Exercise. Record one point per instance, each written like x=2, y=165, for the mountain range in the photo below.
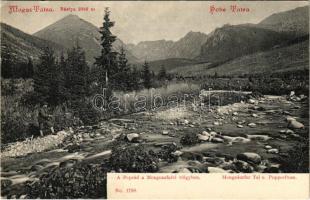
x=187, y=47
x=72, y=29
x=224, y=44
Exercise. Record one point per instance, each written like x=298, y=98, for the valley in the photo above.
x=77, y=102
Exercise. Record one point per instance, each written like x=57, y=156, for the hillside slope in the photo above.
x=294, y=22
x=229, y=42
x=287, y=58
x=22, y=46
x=169, y=64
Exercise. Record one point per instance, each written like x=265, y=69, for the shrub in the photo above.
x=189, y=139
x=133, y=159
x=166, y=153
x=77, y=182
x=297, y=159
x=88, y=114
x=13, y=128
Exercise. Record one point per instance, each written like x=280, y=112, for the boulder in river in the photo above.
x=295, y=124
x=216, y=170
x=249, y=157
x=243, y=166
x=165, y=132
x=213, y=133
x=289, y=119
x=177, y=153
x=252, y=101
x=131, y=137
x=252, y=125
x=216, y=123
x=203, y=137
x=273, y=151
x=217, y=140
x=289, y=131
x=205, y=133
x=268, y=147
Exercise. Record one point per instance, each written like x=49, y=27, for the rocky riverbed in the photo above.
x=245, y=137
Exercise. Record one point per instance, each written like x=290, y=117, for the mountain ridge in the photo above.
x=186, y=47
x=72, y=29
x=294, y=22
x=22, y=45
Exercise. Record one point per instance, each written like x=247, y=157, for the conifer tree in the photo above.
x=6, y=65
x=162, y=73
x=121, y=79
x=146, y=76
x=29, y=69
x=43, y=77
x=77, y=76
x=134, y=78
x=107, y=59
x=58, y=89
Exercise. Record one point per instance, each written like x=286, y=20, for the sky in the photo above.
x=147, y=21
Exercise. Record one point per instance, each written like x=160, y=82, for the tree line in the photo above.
x=69, y=79
x=17, y=69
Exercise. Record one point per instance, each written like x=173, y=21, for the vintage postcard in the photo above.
x=154, y=100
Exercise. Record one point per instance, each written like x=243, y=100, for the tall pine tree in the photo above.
x=134, y=78
x=6, y=64
x=121, y=78
x=43, y=77
x=77, y=72
x=162, y=75
x=146, y=76
x=107, y=60
x=29, y=69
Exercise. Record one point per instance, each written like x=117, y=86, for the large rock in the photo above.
x=132, y=137
x=252, y=101
x=203, y=137
x=249, y=157
x=217, y=140
x=177, y=153
x=289, y=119
x=239, y=139
x=213, y=133
x=243, y=166
x=252, y=125
x=273, y=151
x=205, y=133
x=295, y=124
x=268, y=147
x=216, y=123
x=216, y=170
x=165, y=132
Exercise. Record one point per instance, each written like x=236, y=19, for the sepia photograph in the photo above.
x=91, y=88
